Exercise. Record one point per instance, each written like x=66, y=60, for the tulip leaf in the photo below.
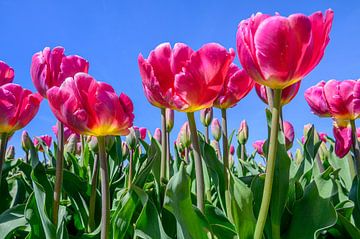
x=11, y=220
x=177, y=200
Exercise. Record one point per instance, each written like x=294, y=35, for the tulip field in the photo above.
x=104, y=177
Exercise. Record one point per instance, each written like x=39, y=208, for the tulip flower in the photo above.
x=289, y=134
x=67, y=132
x=315, y=97
x=277, y=51
x=51, y=67
x=258, y=146
x=140, y=132
x=157, y=135
x=46, y=139
x=216, y=129
x=93, y=108
x=243, y=133
x=184, y=136
x=6, y=73
x=169, y=120
x=10, y=152
x=343, y=139
x=358, y=133
x=287, y=93
x=25, y=141
x=90, y=107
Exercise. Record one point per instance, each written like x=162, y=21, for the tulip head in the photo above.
x=169, y=119
x=18, y=107
x=287, y=94
x=289, y=134
x=279, y=51
x=132, y=139
x=45, y=139
x=51, y=67
x=25, y=141
x=157, y=135
x=6, y=73
x=10, y=152
x=236, y=86
x=124, y=150
x=140, y=132
x=315, y=97
x=216, y=129
x=343, y=138
x=90, y=107
x=232, y=150
x=243, y=133
x=184, y=136
x=258, y=146
x=206, y=116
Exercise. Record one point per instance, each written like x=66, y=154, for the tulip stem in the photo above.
x=356, y=148
x=131, y=155
x=59, y=171
x=200, y=186
x=270, y=97
x=270, y=167
x=3, y=144
x=163, y=144
x=207, y=134
x=105, y=193
x=168, y=156
x=226, y=162
x=243, y=152
x=218, y=150
x=95, y=175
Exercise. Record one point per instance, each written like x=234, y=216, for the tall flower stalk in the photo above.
x=226, y=161
x=163, y=144
x=3, y=145
x=58, y=172
x=270, y=167
x=355, y=146
x=94, y=181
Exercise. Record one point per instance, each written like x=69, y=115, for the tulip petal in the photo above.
x=343, y=140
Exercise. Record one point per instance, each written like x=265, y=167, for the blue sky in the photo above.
x=111, y=34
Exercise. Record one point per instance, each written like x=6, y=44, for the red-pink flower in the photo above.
x=287, y=94
x=173, y=78
x=289, y=134
x=232, y=150
x=343, y=139
x=315, y=97
x=236, y=86
x=258, y=146
x=141, y=130
x=277, y=51
x=6, y=73
x=51, y=67
x=18, y=106
x=157, y=135
x=45, y=139
x=90, y=107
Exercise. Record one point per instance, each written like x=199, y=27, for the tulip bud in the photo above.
x=298, y=157
x=169, y=119
x=184, y=136
x=132, y=138
x=206, y=116
x=71, y=145
x=258, y=146
x=216, y=129
x=289, y=134
x=307, y=127
x=124, y=150
x=232, y=150
x=93, y=143
x=243, y=133
x=157, y=135
x=10, y=152
x=25, y=141
x=142, y=132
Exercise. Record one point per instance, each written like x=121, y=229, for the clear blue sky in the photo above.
x=111, y=34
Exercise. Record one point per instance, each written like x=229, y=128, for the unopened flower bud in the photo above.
x=289, y=134
x=25, y=141
x=216, y=129
x=124, y=150
x=10, y=152
x=157, y=135
x=93, y=144
x=169, y=119
x=243, y=133
x=206, y=116
x=184, y=136
x=71, y=144
x=298, y=157
x=132, y=138
x=46, y=139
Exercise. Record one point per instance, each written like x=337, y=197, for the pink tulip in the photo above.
x=289, y=134
x=287, y=93
x=51, y=67
x=157, y=135
x=236, y=86
x=315, y=97
x=343, y=140
x=277, y=51
x=343, y=98
x=232, y=150
x=45, y=138
x=323, y=136
x=6, y=73
x=184, y=137
x=90, y=107
x=216, y=129
x=258, y=146
x=67, y=132
x=18, y=106
x=173, y=78
x=141, y=131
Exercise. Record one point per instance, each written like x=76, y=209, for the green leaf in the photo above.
x=178, y=202
x=11, y=220
x=311, y=214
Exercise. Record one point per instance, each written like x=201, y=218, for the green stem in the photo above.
x=218, y=150
x=356, y=148
x=59, y=171
x=243, y=152
x=3, y=144
x=94, y=179
x=105, y=193
x=168, y=156
x=131, y=155
x=270, y=167
x=163, y=144
x=200, y=186
x=207, y=134
x=226, y=162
